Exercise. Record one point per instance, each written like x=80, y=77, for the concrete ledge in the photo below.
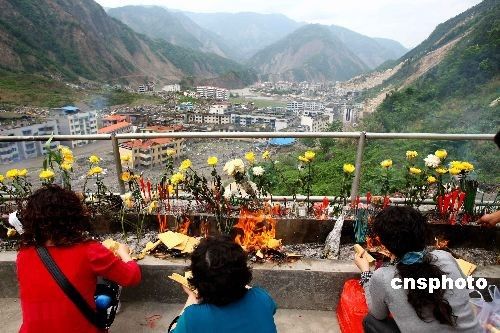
x=308, y=284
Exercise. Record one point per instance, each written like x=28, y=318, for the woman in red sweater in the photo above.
x=55, y=218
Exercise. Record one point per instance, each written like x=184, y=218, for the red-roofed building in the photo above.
x=121, y=127
x=151, y=152
x=113, y=119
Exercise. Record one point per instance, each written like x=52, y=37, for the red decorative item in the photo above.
x=352, y=307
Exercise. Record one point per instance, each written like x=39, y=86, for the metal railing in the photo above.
x=361, y=136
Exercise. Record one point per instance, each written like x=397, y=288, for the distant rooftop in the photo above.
x=114, y=127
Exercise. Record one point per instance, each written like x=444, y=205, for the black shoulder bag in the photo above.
x=101, y=319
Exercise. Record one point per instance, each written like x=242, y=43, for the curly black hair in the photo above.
x=54, y=214
x=220, y=271
x=402, y=230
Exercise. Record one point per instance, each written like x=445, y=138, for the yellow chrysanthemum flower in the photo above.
x=186, y=164
x=125, y=158
x=431, y=179
x=455, y=164
x=170, y=189
x=250, y=156
x=466, y=166
x=94, y=159
x=411, y=154
x=170, y=152
x=441, y=170
x=386, y=163
x=126, y=176
x=2, y=178
x=415, y=171
x=46, y=174
x=303, y=159
x=64, y=150
x=22, y=172
x=266, y=155
x=12, y=173
x=454, y=171
x=66, y=166
x=68, y=157
x=310, y=155
x=349, y=168
x=95, y=171
x=441, y=153
x=176, y=178
x=212, y=160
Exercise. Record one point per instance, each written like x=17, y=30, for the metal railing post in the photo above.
x=118, y=163
x=359, y=161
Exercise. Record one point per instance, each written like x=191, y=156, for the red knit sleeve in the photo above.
x=104, y=263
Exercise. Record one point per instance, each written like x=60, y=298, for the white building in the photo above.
x=71, y=121
x=172, y=88
x=17, y=151
x=276, y=123
x=212, y=93
x=218, y=109
x=315, y=124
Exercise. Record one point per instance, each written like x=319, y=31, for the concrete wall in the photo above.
x=307, y=284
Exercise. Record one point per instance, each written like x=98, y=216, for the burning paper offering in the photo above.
x=466, y=267
x=178, y=241
x=111, y=245
x=182, y=279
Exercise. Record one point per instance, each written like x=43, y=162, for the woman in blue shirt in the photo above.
x=223, y=302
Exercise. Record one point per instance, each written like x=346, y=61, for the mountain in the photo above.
x=174, y=27
x=246, y=33
x=448, y=84
x=372, y=51
x=310, y=53
x=78, y=40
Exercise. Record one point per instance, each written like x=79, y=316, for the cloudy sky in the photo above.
x=407, y=21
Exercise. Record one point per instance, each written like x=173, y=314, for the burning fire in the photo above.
x=258, y=231
x=184, y=227
x=373, y=244
x=441, y=243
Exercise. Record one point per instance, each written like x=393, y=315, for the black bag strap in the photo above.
x=67, y=287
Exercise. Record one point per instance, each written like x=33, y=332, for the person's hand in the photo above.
x=490, y=220
x=361, y=262
x=123, y=252
x=192, y=296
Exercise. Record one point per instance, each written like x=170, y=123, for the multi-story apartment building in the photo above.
x=212, y=93
x=172, y=88
x=317, y=123
x=219, y=108
x=149, y=153
x=71, y=121
x=207, y=118
x=16, y=151
x=276, y=123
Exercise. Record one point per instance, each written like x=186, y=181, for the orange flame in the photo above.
x=184, y=227
x=441, y=243
x=258, y=231
x=205, y=228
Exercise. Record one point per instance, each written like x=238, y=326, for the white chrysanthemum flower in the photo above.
x=234, y=166
x=432, y=161
x=258, y=171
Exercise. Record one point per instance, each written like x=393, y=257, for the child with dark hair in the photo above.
x=55, y=218
x=402, y=232
x=222, y=301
